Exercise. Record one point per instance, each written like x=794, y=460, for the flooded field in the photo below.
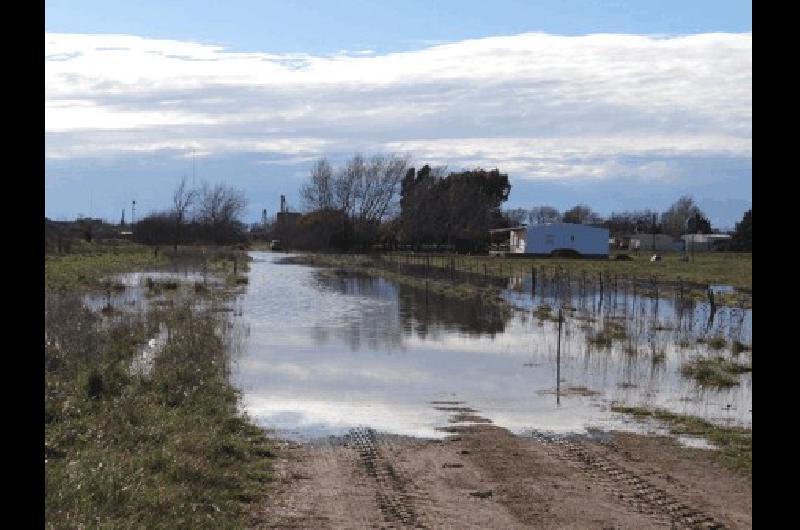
x=327, y=353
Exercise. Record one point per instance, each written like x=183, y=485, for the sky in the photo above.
x=618, y=105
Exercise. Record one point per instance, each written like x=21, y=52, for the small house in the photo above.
x=507, y=240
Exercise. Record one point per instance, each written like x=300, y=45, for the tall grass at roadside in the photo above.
x=166, y=448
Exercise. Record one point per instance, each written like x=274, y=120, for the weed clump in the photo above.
x=610, y=332
x=715, y=372
x=735, y=443
x=545, y=312
x=716, y=343
x=738, y=347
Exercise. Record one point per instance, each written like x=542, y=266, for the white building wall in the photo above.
x=545, y=238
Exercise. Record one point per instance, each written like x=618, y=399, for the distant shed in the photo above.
x=589, y=241
x=544, y=239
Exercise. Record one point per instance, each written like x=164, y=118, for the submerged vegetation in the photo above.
x=610, y=332
x=715, y=372
x=735, y=444
x=139, y=436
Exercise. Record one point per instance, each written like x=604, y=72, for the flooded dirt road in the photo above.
x=326, y=354
x=486, y=477
x=400, y=409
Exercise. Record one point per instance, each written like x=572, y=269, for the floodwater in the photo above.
x=324, y=354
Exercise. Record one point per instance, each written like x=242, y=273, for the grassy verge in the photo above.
x=160, y=448
x=672, y=272
x=732, y=268
x=735, y=443
x=86, y=268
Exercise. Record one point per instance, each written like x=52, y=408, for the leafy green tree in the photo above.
x=743, y=234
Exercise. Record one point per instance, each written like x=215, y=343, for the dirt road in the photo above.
x=482, y=476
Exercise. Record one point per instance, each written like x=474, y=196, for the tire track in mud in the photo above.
x=396, y=504
x=627, y=486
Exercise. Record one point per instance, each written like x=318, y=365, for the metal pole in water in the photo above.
x=558, y=358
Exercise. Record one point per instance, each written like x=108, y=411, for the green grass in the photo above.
x=732, y=268
x=708, y=268
x=735, y=444
x=73, y=271
x=122, y=450
x=715, y=372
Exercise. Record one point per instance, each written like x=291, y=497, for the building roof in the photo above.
x=705, y=238
x=508, y=229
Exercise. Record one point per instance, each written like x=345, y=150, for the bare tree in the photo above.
x=348, y=180
x=182, y=200
x=543, y=214
x=377, y=193
x=516, y=216
x=367, y=190
x=317, y=193
x=580, y=214
x=674, y=220
x=220, y=208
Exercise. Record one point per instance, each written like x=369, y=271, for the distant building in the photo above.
x=704, y=242
x=651, y=242
x=507, y=240
x=283, y=218
x=546, y=239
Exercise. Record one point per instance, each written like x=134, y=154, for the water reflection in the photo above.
x=326, y=353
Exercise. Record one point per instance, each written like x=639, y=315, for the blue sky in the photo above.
x=620, y=105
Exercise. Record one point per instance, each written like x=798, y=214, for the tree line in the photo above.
x=383, y=201
x=209, y=214
x=684, y=216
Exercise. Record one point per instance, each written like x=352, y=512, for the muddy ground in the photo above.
x=483, y=476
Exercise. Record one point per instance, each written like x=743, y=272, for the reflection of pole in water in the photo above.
x=712, y=309
x=558, y=359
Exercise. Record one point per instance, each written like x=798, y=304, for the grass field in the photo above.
x=729, y=268
x=166, y=448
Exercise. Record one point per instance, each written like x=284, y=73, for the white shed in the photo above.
x=589, y=241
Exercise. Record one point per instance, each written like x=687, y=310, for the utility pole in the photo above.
x=133, y=215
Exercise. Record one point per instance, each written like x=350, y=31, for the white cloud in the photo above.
x=538, y=106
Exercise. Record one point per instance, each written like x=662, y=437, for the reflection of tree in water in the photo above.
x=383, y=326
x=425, y=312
